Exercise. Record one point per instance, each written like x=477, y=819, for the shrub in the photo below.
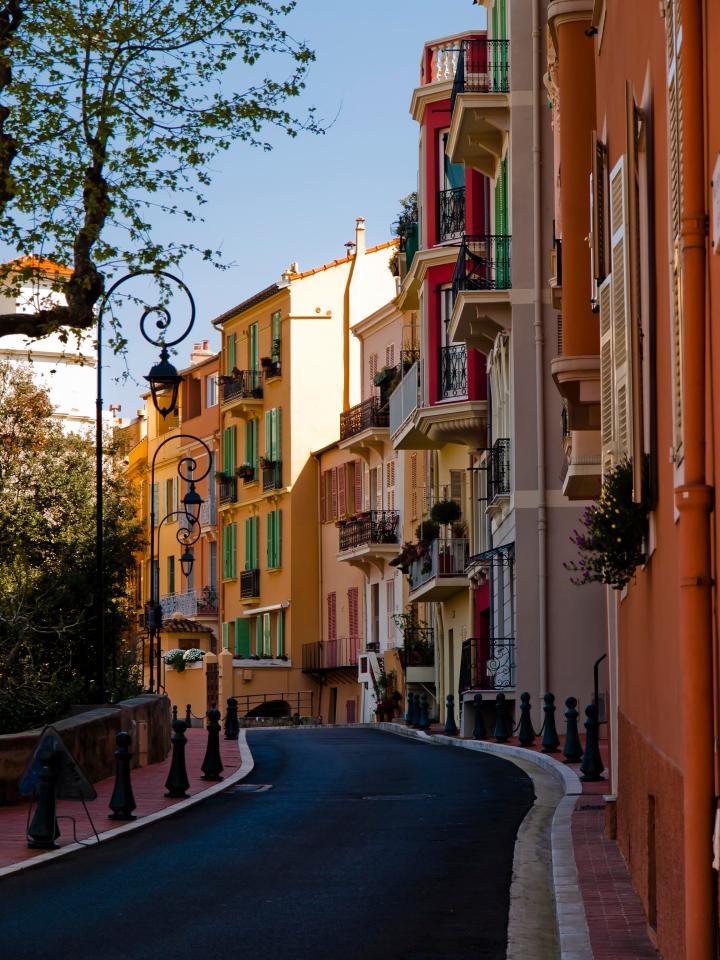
x=445, y=511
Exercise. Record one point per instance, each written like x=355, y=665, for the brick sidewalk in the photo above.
x=148, y=787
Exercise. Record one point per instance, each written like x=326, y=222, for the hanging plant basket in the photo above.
x=445, y=512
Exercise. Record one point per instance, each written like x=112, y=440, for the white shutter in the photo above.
x=457, y=488
x=607, y=391
x=390, y=484
x=622, y=348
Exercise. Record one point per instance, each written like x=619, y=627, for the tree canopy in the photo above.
x=113, y=111
x=47, y=556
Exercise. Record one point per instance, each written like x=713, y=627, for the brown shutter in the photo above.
x=334, y=492
x=332, y=616
x=357, y=485
x=342, y=490
x=353, y=610
x=323, y=498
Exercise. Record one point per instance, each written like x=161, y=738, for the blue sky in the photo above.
x=299, y=202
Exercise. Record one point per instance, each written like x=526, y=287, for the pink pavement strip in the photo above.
x=148, y=788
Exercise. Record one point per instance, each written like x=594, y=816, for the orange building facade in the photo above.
x=637, y=159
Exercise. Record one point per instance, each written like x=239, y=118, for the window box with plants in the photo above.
x=612, y=545
x=271, y=366
x=223, y=476
x=246, y=472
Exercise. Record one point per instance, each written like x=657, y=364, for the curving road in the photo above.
x=366, y=845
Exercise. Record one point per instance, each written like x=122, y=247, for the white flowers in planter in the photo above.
x=180, y=658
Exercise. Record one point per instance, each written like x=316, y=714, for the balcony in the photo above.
x=193, y=603
x=369, y=538
x=480, y=105
x=582, y=475
x=453, y=372
x=487, y=664
x=271, y=475
x=450, y=214
x=250, y=584
x=417, y=426
x=481, y=291
x=242, y=392
x=365, y=426
x=498, y=467
x=440, y=573
x=326, y=655
x=208, y=514
x=228, y=489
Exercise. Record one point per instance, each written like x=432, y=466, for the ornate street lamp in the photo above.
x=164, y=381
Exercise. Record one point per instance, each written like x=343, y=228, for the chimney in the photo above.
x=201, y=351
x=359, y=237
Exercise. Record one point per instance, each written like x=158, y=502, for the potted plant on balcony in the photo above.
x=445, y=512
x=221, y=475
x=427, y=531
x=613, y=544
x=246, y=471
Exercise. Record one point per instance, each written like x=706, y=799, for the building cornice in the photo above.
x=425, y=95
x=422, y=262
x=567, y=11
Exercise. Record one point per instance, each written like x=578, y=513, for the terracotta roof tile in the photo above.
x=182, y=625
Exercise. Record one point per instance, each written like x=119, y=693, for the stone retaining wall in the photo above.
x=90, y=737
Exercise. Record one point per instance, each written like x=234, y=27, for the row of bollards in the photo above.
x=43, y=829
x=591, y=764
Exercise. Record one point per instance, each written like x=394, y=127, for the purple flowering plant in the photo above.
x=612, y=543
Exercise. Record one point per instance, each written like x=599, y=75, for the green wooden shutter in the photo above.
x=270, y=552
x=226, y=450
x=256, y=442
x=233, y=448
x=156, y=503
x=275, y=334
x=250, y=442
x=277, y=434
x=280, y=633
x=268, y=434
x=242, y=637
x=225, y=634
x=249, y=543
x=267, y=636
x=226, y=552
x=258, y=635
x=233, y=550
x=231, y=341
x=253, y=341
x=255, y=527
x=278, y=538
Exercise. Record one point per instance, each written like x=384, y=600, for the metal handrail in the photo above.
x=483, y=67
x=272, y=475
x=450, y=214
x=330, y=654
x=242, y=385
x=374, y=526
x=228, y=490
x=453, y=371
x=487, y=663
x=249, y=584
x=483, y=263
x=370, y=413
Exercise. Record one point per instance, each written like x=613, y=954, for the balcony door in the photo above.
x=453, y=356
x=374, y=616
x=451, y=195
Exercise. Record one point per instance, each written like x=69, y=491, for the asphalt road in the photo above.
x=366, y=845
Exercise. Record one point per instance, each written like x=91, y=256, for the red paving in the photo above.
x=148, y=787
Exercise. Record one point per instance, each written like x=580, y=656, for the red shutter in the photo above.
x=334, y=492
x=357, y=486
x=332, y=617
x=354, y=626
x=323, y=498
x=342, y=490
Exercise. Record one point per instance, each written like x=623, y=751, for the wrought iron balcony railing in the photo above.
x=487, y=664
x=483, y=263
x=369, y=413
x=450, y=214
x=228, y=489
x=418, y=648
x=499, y=469
x=453, y=371
x=482, y=67
x=272, y=475
x=242, y=385
x=330, y=654
x=445, y=557
x=191, y=603
x=249, y=584
x=375, y=526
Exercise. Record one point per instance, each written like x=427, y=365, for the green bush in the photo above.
x=445, y=511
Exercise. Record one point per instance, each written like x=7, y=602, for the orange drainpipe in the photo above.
x=694, y=503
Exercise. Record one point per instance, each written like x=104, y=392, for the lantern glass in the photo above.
x=186, y=562
x=192, y=501
x=164, y=383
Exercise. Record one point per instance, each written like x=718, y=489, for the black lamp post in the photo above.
x=164, y=383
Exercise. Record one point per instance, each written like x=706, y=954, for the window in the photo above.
x=390, y=610
x=372, y=369
x=274, y=539
x=457, y=488
x=171, y=574
x=375, y=502
x=225, y=635
x=252, y=437
x=230, y=359
x=229, y=551
x=413, y=486
x=356, y=472
x=251, y=543
x=275, y=341
x=212, y=564
x=242, y=637
x=390, y=355
x=390, y=484
x=211, y=391
x=170, y=498
x=229, y=450
x=253, y=348
x=273, y=435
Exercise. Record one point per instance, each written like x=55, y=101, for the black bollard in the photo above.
x=424, y=718
x=212, y=765
x=410, y=706
x=550, y=740
x=572, y=750
x=177, y=781
x=232, y=724
x=501, y=731
x=188, y=715
x=479, y=731
x=450, y=725
x=43, y=830
x=526, y=734
x=592, y=765
x=415, y=709
x=122, y=801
